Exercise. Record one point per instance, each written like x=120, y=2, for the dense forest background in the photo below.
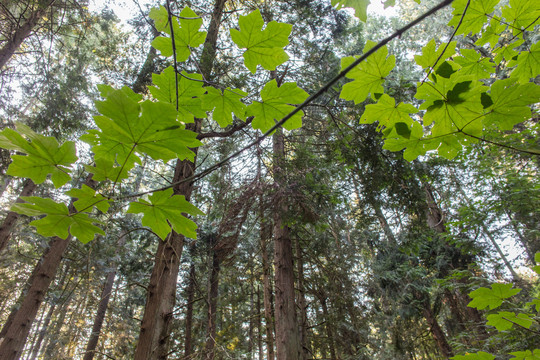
x=316, y=242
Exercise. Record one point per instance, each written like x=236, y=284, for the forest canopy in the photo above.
x=270, y=180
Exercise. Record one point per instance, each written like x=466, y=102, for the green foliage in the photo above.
x=88, y=198
x=359, y=6
x=263, y=47
x=481, y=355
x=504, y=320
x=163, y=210
x=275, y=105
x=44, y=156
x=492, y=298
x=526, y=355
x=368, y=76
x=475, y=14
x=58, y=220
x=226, y=103
x=186, y=33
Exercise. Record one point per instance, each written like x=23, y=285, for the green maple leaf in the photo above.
x=492, y=298
x=472, y=64
x=58, y=221
x=190, y=93
x=430, y=54
x=526, y=355
x=528, y=64
x=491, y=34
x=104, y=169
x=504, y=320
x=511, y=102
x=88, y=198
x=535, y=302
x=475, y=17
x=264, y=47
x=161, y=19
x=369, y=75
x=44, y=156
x=186, y=34
x=415, y=144
x=359, y=6
x=481, y=355
x=507, y=51
x=225, y=103
x=521, y=14
x=128, y=127
x=163, y=210
x=275, y=105
x=387, y=113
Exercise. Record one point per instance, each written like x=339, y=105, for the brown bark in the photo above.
x=12, y=217
x=161, y=297
x=436, y=331
x=13, y=43
x=16, y=333
x=213, y=293
x=301, y=301
x=287, y=337
x=328, y=326
x=266, y=233
x=42, y=332
x=190, y=294
x=259, y=325
x=103, y=304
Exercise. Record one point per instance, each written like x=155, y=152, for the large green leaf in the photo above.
x=492, y=298
x=44, y=156
x=226, y=103
x=190, y=93
x=128, y=128
x=368, y=75
x=511, y=103
x=526, y=355
x=527, y=64
x=359, y=6
x=87, y=198
x=163, y=210
x=481, y=355
x=387, y=113
x=58, y=221
x=521, y=14
x=264, y=47
x=430, y=54
x=186, y=33
x=415, y=144
x=275, y=105
x=474, y=18
x=472, y=64
x=504, y=320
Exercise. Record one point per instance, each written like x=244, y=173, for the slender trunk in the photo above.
x=16, y=39
x=436, y=331
x=524, y=242
x=252, y=313
x=266, y=231
x=259, y=325
x=301, y=301
x=154, y=332
x=35, y=335
x=213, y=293
x=287, y=339
x=103, y=304
x=12, y=217
x=42, y=332
x=190, y=294
x=328, y=326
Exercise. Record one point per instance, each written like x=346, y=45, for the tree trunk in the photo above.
x=301, y=301
x=190, y=294
x=153, y=337
x=259, y=325
x=15, y=41
x=436, y=331
x=287, y=339
x=328, y=326
x=266, y=233
x=103, y=304
x=42, y=332
x=12, y=217
x=213, y=293
x=16, y=331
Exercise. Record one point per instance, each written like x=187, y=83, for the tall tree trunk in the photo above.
x=16, y=39
x=12, y=217
x=252, y=313
x=44, y=329
x=153, y=337
x=259, y=325
x=16, y=333
x=103, y=303
x=435, y=329
x=328, y=326
x=287, y=339
x=301, y=301
x=266, y=233
x=190, y=295
x=213, y=293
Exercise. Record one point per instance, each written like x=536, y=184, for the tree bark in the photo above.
x=328, y=326
x=15, y=41
x=301, y=301
x=190, y=294
x=11, y=218
x=266, y=233
x=287, y=337
x=42, y=332
x=436, y=331
x=213, y=293
x=153, y=337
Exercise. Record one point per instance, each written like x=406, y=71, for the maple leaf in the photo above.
x=88, y=198
x=472, y=64
x=526, y=355
x=163, y=210
x=44, y=156
x=225, y=103
x=275, y=105
x=58, y=221
x=504, y=320
x=368, y=76
x=481, y=355
x=430, y=54
x=387, y=113
x=492, y=298
x=474, y=18
x=521, y=14
x=264, y=47
x=186, y=33
x=359, y=6
x=511, y=102
x=528, y=64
